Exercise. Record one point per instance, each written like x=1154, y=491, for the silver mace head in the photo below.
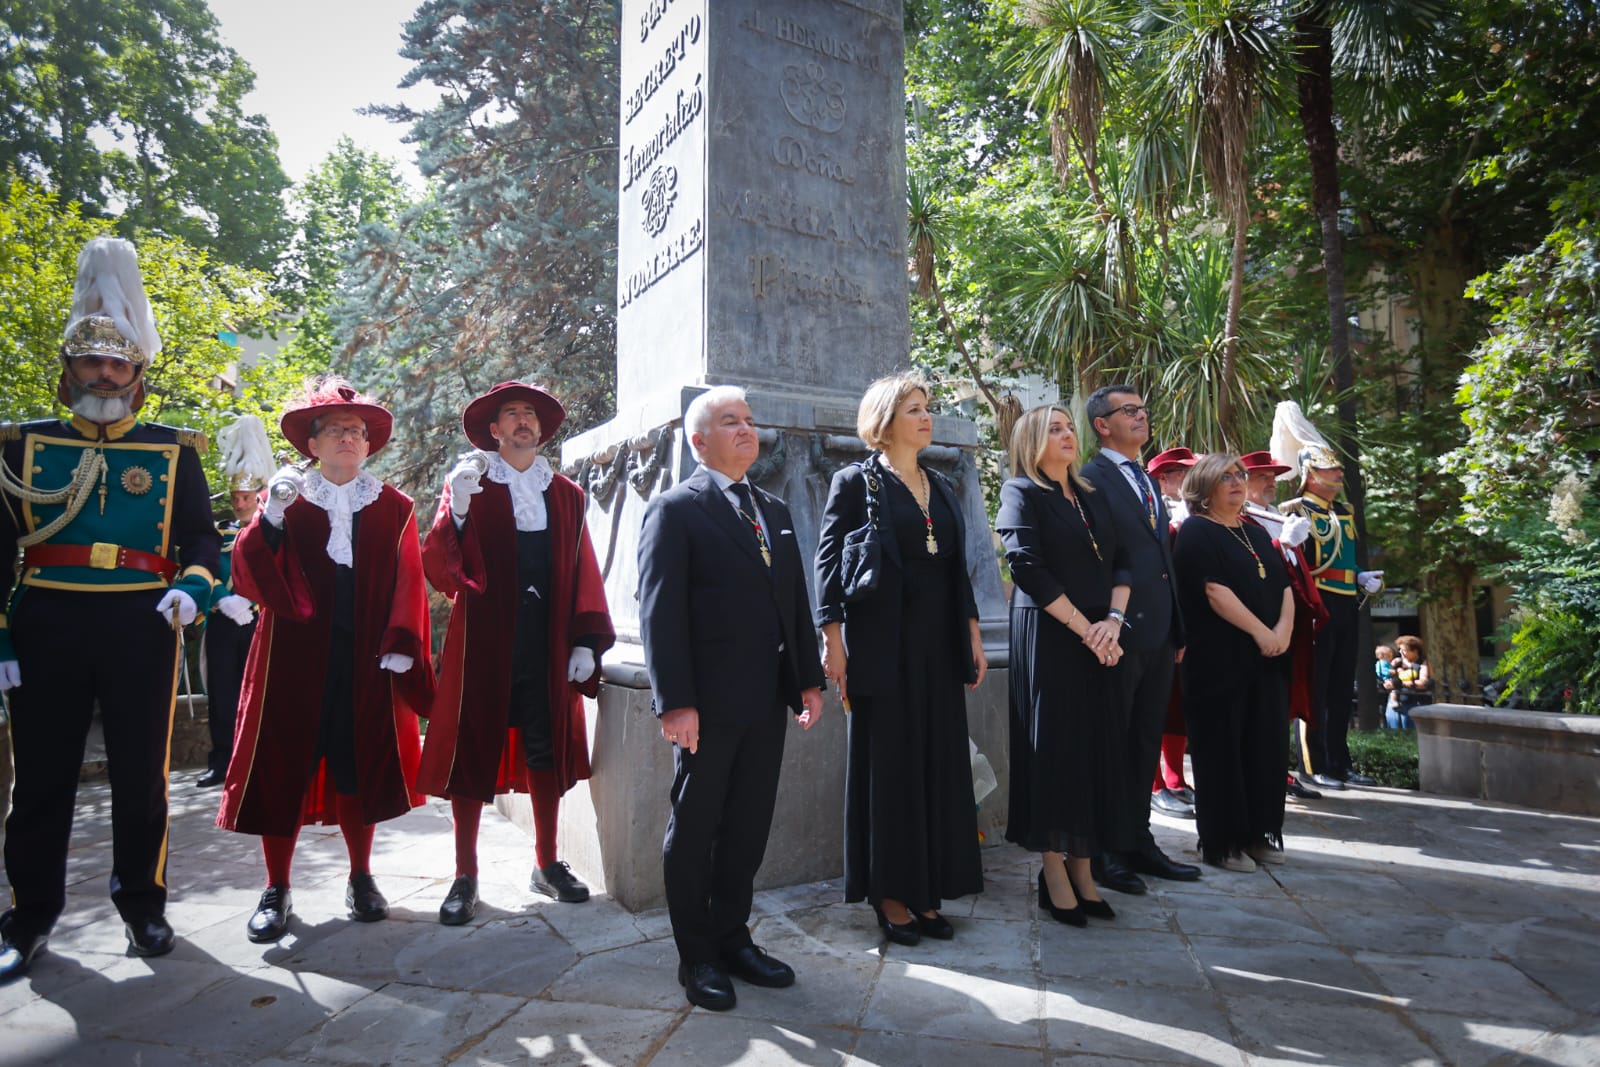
x=478, y=460
x=283, y=490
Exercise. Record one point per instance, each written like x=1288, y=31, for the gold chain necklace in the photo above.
x=927, y=519
x=1087, y=528
x=1244, y=539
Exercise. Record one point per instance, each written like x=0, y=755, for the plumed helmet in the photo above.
x=1297, y=446
x=110, y=317
x=246, y=454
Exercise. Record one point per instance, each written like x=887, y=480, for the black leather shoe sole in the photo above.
x=363, y=901
x=756, y=967
x=150, y=937
x=461, y=904
x=704, y=990
x=1161, y=867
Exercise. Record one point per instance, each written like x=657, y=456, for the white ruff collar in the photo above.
x=527, y=490
x=341, y=502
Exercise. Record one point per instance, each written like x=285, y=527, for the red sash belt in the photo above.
x=100, y=556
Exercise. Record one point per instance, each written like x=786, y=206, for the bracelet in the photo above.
x=1115, y=614
x=1074, y=615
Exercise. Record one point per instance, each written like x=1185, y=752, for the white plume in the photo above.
x=1292, y=431
x=246, y=450
x=109, y=284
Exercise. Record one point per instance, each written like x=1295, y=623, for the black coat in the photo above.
x=1047, y=548
x=1153, y=612
x=872, y=625
x=712, y=615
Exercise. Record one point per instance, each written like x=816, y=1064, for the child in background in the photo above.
x=1412, y=683
x=1383, y=663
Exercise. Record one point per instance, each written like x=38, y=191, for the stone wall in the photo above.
x=1533, y=758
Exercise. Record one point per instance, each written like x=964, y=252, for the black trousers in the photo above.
x=76, y=650
x=723, y=797
x=1143, y=686
x=227, y=647
x=1324, y=748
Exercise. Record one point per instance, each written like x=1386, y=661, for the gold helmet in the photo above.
x=246, y=454
x=1297, y=446
x=110, y=318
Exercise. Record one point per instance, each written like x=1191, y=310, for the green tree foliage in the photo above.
x=509, y=272
x=134, y=109
x=193, y=296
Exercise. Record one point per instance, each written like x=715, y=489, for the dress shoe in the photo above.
x=1153, y=861
x=1096, y=909
x=1111, y=872
x=1299, y=791
x=1264, y=853
x=1169, y=803
x=1356, y=778
x=1237, y=861
x=271, y=918
x=17, y=949
x=937, y=927
x=209, y=779
x=753, y=965
x=1185, y=794
x=461, y=903
x=1326, y=781
x=707, y=986
x=559, y=883
x=906, y=933
x=149, y=937
x=1073, y=916
x=364, y=902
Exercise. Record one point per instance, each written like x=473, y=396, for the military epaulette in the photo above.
x=187, y=438
x=10, y=431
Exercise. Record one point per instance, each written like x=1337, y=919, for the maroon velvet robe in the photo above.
x=470, y=750
x=272, y=785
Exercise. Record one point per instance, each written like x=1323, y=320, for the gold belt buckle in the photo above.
x=103, y=556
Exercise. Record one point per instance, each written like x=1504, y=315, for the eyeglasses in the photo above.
x=1235, y=477
x=343, y=433
x=1131, y=410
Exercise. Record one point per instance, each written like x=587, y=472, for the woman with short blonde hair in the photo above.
x=875, y=415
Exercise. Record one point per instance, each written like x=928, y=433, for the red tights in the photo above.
x=357, y=842
x=1170, y=771
x=546, y=797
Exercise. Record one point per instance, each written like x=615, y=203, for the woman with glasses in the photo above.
x=1238, y=609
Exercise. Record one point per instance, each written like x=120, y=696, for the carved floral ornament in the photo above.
x=659, y=198
x=812, y=98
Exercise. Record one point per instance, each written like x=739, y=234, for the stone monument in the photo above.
x=762, y=242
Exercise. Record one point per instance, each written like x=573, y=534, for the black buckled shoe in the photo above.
x=559, y=883
x=753, y=965
x=270, y=920
x=462, y=902
x=17, y=949
x=1111, y=872
x=707, y=986
x=364, y=902
x=149, y=937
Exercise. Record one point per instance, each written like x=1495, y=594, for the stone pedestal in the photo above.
x=1534, y=758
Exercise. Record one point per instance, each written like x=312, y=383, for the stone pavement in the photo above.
x=1404, y=930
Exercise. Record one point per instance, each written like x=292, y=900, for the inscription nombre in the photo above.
x=796, y=155
x=781, y=211
x=677, y=48
x=667, y=259
x=794, y=32
x=773, y=275
x=679, y=117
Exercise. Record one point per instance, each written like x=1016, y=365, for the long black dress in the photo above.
x=1062, y=700
x=911, y=827
x=1233, y=697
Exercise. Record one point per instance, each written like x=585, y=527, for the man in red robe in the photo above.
x=341, y=663
x=528, y=623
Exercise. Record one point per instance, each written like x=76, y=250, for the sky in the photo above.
x=316, y=63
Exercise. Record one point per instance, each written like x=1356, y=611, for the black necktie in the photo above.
x=1144, y=490
x=747, y=511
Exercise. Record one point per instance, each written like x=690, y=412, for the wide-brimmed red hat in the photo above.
x=1262, y=461
x=1172, y=457
x=331, y=397
x=486, y=408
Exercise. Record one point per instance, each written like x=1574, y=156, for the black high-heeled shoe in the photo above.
x=903, y=934
x=1073, y=916
x=936, y=927
x=1096, y=909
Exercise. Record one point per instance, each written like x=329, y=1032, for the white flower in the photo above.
x=1566, y=509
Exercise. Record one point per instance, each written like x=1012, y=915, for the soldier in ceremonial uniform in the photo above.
x=1331, y=554
x=510, y=548
x=340, y=666
x=113, y=519
x=230, y=618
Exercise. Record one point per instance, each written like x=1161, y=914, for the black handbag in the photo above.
x=861, y=560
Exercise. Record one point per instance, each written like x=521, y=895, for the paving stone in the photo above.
x=729, y=1040
x=1277, y=1031
x=1138, y=1022
x=635, y=976
x=1466, y=1042
x=911, y=1050
x=912, y=998
x=1480, y=989
x=567, y=1034
x=1246, y=918
x=1295, y=971
x=411, y=1024
x=1106, y=954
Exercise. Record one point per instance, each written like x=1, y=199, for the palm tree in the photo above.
x=1221, y=68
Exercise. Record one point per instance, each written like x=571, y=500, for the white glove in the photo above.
x=10, y=675
x=1370, y=581
x=236, y=608
x=397, y=662
x=276, y=506
x=1296, y=528
x=581, y=664
x=185, y=605
x=465, y=482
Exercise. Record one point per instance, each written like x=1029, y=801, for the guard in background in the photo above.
x=113, y=518
x=1331, y=553
x=230, y=618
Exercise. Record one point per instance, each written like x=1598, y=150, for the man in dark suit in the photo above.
x=1152, y=641
x=726, y=624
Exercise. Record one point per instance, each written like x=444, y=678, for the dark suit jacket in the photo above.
x=1153, y=606
x=1051, y=554
x=872, y=625
x=713, y=615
